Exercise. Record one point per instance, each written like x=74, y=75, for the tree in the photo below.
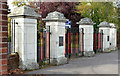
x=98, y=12
x=118, y=5
x=19, y=3
x=67, y=8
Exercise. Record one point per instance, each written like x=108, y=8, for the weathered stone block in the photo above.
x=88, y=53
x=58, y=61
x=114, y=48
x=108, y=50
x=29, y=66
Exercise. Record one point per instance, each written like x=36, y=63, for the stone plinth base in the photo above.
x=100, y=50
x=114, y=48
x=108, y=50
x=88, y=53
x=58, y=61
x=29, y=66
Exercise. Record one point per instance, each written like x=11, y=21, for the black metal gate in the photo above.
x=43, y=46
x=74, y=42
x=98, y=41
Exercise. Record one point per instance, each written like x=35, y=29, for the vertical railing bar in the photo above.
x=71, y=43
x=49, y=44
x=14, y=36
x=83, y=41
x=68, y=44
x=102, y=42
x=76, y=42
x=65, y=44
x=40, y=45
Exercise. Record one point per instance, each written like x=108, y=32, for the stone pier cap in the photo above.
x=85, y=21
x=104, y=24
x=24, y=11
x=112, y=25
x=55, y=16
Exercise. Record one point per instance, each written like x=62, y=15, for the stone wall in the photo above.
x=13, y=62
x=3, y=37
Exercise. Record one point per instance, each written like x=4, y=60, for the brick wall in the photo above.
x=3, y=37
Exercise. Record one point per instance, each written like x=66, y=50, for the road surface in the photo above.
x=102, y=63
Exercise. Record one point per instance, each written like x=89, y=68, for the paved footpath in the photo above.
x=103, y=63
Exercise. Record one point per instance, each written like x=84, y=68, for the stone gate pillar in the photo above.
x=25, y=20
x=3, y=37
x=86, y=25
x=56, y=22
x=113, y=36
x=105, y=28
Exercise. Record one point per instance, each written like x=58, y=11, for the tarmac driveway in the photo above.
x=103, y=63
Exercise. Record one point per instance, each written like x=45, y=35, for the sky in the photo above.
x=10, y=4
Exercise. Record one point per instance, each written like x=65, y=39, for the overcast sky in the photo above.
x=10, y=4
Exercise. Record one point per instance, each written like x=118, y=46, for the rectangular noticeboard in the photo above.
x=60, y=40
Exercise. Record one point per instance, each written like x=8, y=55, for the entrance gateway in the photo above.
x=27, y=17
